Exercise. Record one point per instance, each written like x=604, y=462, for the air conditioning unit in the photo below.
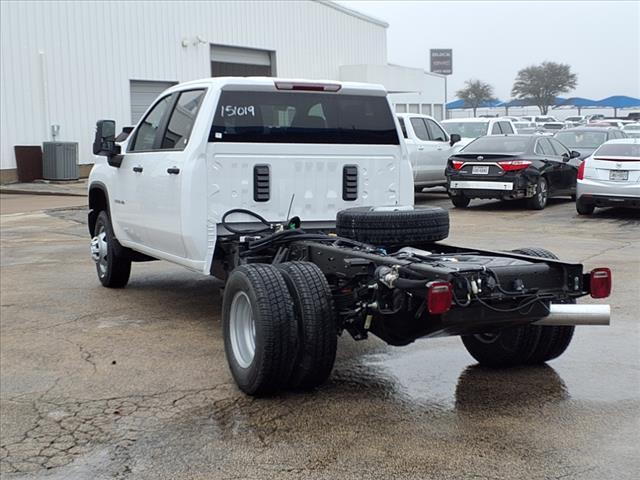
x=60, y=161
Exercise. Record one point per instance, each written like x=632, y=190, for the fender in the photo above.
x=93, y=207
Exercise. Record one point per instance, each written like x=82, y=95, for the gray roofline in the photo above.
x=353, y=13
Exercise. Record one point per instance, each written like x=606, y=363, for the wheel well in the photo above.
x=97, y=202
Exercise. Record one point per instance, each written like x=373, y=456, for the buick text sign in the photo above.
x=442, y=61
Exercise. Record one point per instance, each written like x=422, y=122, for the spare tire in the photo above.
x=393, y=225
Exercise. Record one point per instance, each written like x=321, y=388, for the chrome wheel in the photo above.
x=99, y=251
x=242, y=330
x=542, y=193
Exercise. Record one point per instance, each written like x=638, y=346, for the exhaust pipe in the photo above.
x=571, y=314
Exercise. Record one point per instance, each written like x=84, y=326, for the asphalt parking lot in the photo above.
x=133, y=383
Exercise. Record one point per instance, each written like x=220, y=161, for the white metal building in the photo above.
x=68, y=64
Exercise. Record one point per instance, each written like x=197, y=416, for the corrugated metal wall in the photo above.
x=70, y=63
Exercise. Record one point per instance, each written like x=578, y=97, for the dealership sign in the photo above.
x=442, y=61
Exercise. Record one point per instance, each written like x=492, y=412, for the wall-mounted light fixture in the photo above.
x=195, y=41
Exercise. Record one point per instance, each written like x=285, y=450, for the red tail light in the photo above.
x=511, y=165
x=581, y=170
x=457, y=164
x=600, y=282
x=310, y=87
x=439, y=297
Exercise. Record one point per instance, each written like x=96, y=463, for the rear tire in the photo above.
x=553, y=341
x=584, y=208
x=113, y=264
x=259, y=329
x=460, y=201
x=505, y=348
x=539, y=199
x=316, y=322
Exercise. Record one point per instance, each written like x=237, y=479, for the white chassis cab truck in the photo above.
x=298, y=194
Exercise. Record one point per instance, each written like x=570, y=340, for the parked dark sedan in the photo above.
x=510, y=167
x=587, y=139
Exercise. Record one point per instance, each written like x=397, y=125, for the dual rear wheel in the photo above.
x=279, y=327
x=524, y=345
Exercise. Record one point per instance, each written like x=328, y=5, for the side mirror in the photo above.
x=104, y=142
x=454, y=138
x=574, y=154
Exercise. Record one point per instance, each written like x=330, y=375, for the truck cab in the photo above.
x=276, y=147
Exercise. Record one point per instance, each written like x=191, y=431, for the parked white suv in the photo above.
x=429, y=148
x=472, y=128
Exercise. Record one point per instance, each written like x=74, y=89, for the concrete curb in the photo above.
x=16, y=191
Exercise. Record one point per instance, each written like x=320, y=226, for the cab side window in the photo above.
x=435, y=132
x=420, y=128
x=147, y=131
x=495, y=130
x=506, y=127
x=182, y=119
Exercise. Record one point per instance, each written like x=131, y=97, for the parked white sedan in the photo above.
x=610, y=177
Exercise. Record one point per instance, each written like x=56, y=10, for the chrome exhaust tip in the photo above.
x=570, y=314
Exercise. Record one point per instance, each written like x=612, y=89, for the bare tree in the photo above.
x=542, y=83
x=475, y=93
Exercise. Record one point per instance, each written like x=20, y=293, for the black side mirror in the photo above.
x=454, y=138
x=104, y=142
x=574, y=154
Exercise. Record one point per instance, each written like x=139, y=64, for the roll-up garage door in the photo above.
x=143, y=93
x=242, y=62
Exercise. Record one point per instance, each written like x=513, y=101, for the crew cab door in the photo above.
x=554, y=166
x=425, y=151
x=569, y=166
x=152, y=194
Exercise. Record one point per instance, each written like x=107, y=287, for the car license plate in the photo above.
x=479, y=170
x=618, y=174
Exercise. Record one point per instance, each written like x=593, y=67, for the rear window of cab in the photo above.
x=296, y=117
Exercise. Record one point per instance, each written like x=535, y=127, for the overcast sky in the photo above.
x=491, y=41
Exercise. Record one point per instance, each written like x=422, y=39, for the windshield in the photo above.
x=582, y=139
x=497, y=144
x=295, y=117
x=631, y=150
x=553, y=126
x=466, y=129
x=573, y=119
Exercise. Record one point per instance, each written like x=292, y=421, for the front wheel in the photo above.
x=113, y=265
x=539, y=199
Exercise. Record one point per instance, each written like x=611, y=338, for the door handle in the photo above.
x=137, y=169
x=173, y=170
x=420, y=148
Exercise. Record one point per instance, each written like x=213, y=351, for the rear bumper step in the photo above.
x=569, y=314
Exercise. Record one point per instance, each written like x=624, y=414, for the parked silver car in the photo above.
x=610, y=177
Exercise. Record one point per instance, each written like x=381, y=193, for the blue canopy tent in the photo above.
x=579, y=103
x=525, y=102
x=461, y=104
x=618, y=101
